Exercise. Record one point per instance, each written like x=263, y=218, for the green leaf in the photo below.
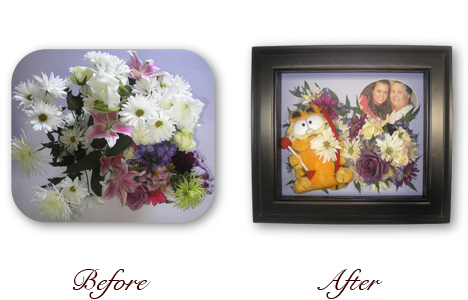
x=306, y=86
x=377, y=185
x=96, y=179
x=74, y=103
x=325, y=191
x=348, y=104
x=358, y=186
x=290, y=182
x=122, y=143
x=55, y=180
x=89, y=162
x=334, y=96
x=98, y=143
x=412, y=186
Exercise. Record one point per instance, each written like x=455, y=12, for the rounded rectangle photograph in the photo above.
x=113, y=135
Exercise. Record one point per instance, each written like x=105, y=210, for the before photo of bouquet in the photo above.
x=119, y=130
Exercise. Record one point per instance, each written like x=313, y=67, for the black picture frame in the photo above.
x=271, y=206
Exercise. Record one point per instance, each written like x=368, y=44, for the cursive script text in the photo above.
x=355, y=283
x=87, y=279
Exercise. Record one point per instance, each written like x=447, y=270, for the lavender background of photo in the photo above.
x=189, y=65
x=351, y=85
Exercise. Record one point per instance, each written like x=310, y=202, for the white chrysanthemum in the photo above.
x=392, y=150
x=87, y=146
x=71, y=138
x=140, y=136
x=137, y=110
x=351, y=150
x=110, y=64
x=44, y=116
x=53, y=204
x=74, y=191
x=160, y=128
x=26, y=93
x=29, y=159
x=181, y=85
x=325, y=145
x=145, y=85
x=186, y=111
x=52, y=85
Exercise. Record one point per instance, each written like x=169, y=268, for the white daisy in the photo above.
x=53, y=204
x=165, y=83
x=26, y=93
x=392, y=150
x=29, y=159
x=71, y=138
x=87, y=146
x=160, y=128
x=137, y=110
x=45, y=97
x=145, y=86
x=186, y=111
x=351, y=149
x=325, y=145
x=44, y=116
x=52, y=85
x=74, y=191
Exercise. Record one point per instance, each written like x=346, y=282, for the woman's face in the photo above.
x=380, y=93
x=398, y=95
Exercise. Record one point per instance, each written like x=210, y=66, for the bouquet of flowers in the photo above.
x=125, y=132
x=380, y=154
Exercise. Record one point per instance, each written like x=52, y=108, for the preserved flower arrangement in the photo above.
x=125, y=133
x=379, y=153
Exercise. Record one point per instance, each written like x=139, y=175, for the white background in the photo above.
x=223, y=254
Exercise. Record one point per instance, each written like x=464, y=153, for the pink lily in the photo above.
x=106, y=126
x=140, y=69
x=115, y=162
x=119, y=184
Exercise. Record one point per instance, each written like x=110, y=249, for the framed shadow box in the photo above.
x=351, y=134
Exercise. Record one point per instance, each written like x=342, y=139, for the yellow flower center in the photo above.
x=159, y=123
x=72, y=139
x=140, y=112
x=72, y=189
x=42, y=117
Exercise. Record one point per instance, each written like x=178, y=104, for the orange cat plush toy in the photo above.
x=312, y=172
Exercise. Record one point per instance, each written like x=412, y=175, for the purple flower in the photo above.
x=327, y=101
x=407, y=174
x=136, y=199
x=356, y=126
x=371, y=166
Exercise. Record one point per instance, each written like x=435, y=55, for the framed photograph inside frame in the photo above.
x=351, y=134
